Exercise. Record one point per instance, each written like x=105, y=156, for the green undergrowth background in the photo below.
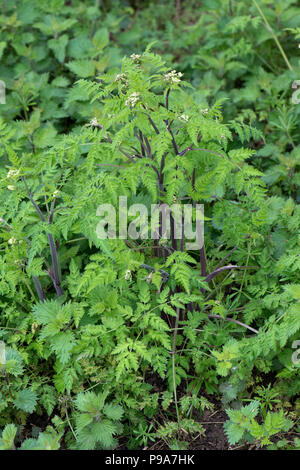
x=100, y=349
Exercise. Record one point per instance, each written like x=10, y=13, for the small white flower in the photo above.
x=127, y=275
x=135, y=57
x=55, y=193
x=12, y=241
x=184, y=118
x=13, y=173
x=173, y=77
x=133, y=99
x=94, y=122
x=204, y=111
x=120, y=77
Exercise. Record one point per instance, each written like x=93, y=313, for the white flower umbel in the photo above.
x=94, y=122
x=121, y=77
x=173, y=77
x=133, y=99
x=135, y=57
x=13, y=173
x=183, y=118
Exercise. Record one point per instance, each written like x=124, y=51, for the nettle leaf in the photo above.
x=103, y=432
x=59, y=46
x=251, y=410
x=14, y=364
x=101, y=38
x=46, y=311
x=80, y=47
x=49, y=440
x=114, y=412
x=26, y=400
x=62, y=344
x=234, y=432
x=7, y=437
x=44, y=136
x=82, y=68
x=90, y=402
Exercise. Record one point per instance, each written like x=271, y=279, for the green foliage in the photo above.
x=7, y=437
x=48, y=440
x=97, y=422
x=90, y=326
x=243, y=426
x=26, y=401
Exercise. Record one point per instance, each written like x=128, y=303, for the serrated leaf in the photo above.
x=26, y=400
